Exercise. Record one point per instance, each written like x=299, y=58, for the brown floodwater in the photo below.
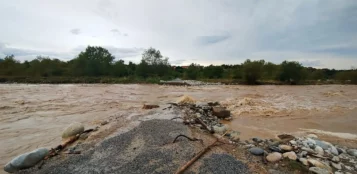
x=34, y=116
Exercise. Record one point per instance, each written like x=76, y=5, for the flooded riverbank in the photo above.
x=34, y=116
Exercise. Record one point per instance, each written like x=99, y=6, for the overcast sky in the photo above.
x=318, y=33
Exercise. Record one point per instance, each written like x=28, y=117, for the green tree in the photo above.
x=213, y=72
x=153, y=64
x=10, y=66
x=94, y=61
x=119, y=69
x=192, y=72
x=252, y=71
x=291, y=71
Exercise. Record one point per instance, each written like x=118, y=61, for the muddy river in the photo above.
x=34, y=116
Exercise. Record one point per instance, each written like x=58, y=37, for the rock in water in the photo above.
x=285, y=147
x=274, y=157
x=221, y=112
x=72, y=130
x=318, y=170
x=290, y=155
x=319, y=150
x=26, y=160
x=352, y=152
x=256, y=151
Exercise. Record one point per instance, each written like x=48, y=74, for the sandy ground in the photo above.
x=33, y=116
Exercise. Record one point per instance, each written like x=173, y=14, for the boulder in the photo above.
x=318, y=170
x=352, y=152
x=72, y=130
x=274, y=157
x=221, y=112
x=290, y=155
x=26, y=160
x=256, y=151
x=285, y=147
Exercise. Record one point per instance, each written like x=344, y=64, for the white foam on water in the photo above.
x=335, y=134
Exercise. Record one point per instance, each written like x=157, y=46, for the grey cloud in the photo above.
x=75, y=31
x=26, y=54
x=125, y=34
x=311, y=63
x=208, y=40
x=116, y=31
x=177, y=62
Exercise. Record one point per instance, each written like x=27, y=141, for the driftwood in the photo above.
x=55, y=151
x=204, y=125
x=189, y=163
x=191, y=139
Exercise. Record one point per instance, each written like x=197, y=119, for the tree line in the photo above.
x=97, y=65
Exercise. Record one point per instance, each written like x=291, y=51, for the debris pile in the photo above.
x=206, y=116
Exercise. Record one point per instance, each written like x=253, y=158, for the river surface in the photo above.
x=33, y=116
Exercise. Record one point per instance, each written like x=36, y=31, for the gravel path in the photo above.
x=147, y=148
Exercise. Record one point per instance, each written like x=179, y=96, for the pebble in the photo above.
x=307, y=150
x=257, y=140
x=304, y=161
x=337, y=172
x=256, y=151
x=274, y=157
x=322, y=144
x=274, y=149
x=319, y=150
x=333, y=150
x=286, y=147
x=72, y=130
x=104, y=122
x=26, y=160
x=234, y=136
x=317, y=163
x=290, y=155
x=352, y=152
x=220, y=129
x=311, y=141
x=340, y=150
x=318, y=170
x=348, y=167
x=293, y=142
x=312, y=136
x=303, y=154
x=336, y=165
x=335, y=159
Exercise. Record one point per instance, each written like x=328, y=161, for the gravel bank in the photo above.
x=147, y=148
